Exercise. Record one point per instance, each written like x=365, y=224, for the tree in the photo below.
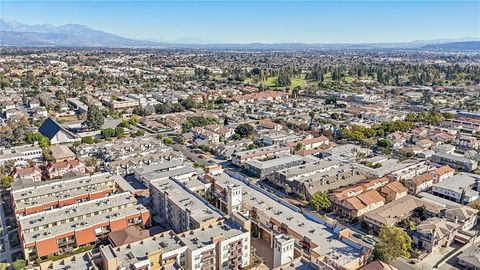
x=283, y=79
x=139, y=133
x=319, y=201
x=244, y=130
x=385, y=143
x=19, y=264
x=296, y=92
x=108, y=132
x=87, y=140
x=95, y=118
x=119, y=131
x=7, y=181
x=393, y=243
x=168, y=140
x=299, y=147
x=43, y=141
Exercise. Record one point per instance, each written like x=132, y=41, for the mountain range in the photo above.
x=13, y=33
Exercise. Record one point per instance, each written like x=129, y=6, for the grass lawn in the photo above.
x=270, y=82
x=298, y=82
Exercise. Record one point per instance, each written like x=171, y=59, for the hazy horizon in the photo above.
x=260, y=21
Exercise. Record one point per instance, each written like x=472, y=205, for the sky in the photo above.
x=268, y=21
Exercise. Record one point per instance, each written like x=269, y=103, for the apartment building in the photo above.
x=355, y=201
x=455, y=161
x=323, y=244
x=356, y=206
x=461, y=188
x=221, y=245
x=470, y=258
x=163, y=170
x=421, y=183
x=393, y=212
x=240, y=158
x=218, y=246
x=178, y=208
x=42, y=196
x=321, y=177
x=393, y=191
x=426, y=180
x=121, y=103
x=58, y=230
x=262, y=168
x=20, y=155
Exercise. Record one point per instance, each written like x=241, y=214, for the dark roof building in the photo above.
x=56, y=133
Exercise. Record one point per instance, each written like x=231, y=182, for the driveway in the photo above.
x=7, y=254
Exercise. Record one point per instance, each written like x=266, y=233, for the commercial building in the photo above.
x=323, y=243
x=58, y=230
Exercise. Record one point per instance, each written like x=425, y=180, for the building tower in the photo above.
x=234, y=198
x=283, y=246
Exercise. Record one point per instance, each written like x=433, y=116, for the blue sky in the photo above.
x=260, y=21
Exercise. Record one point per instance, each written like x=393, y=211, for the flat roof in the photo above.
x=133, y=253
x=459, y=182
x=199, y=238
x=41, y=192
x=119, y=205
x=184, y=199
x=321, y=235
x=310, y=168
x=280, y=159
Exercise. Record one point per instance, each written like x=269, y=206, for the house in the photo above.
x=56, y=133
x=464, y=215
x=269, y=124
x=204, y=134
x=59, y=169
x=61, y=153
x=467, y=142
x=470, y=258
x=31, y=173
x=394, y=191
x=434, y=233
